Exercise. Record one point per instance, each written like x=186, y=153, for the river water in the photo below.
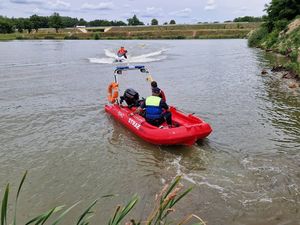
x=53, y=124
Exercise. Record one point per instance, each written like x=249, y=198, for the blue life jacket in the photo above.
x=153, y=110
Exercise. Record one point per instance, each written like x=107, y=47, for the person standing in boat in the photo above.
x=161, y=93
x=156, y=109
x=122, y=52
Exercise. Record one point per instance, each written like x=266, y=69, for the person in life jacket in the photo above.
x=156, y=109
x=161, y=93
x=122, y=52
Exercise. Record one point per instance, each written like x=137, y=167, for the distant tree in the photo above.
x=172, y=22
x=165, y=23
x=44, y=21
x=96, y=23
x=82, y=22
x=154, y=22
x=36, y=22
x=19, y=24
x=118, y=23
x=69, y=21
x=6, y=25
x=28, y=25
x=248, y=19
x=55, y=21
x=134, y=21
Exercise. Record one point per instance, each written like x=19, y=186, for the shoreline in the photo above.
x=78, y=37
x=166, y=32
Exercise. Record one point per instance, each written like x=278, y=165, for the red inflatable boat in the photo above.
x=187, y=129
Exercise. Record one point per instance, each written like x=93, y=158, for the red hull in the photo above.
x=190, y=129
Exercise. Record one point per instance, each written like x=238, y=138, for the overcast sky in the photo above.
x=183, y=11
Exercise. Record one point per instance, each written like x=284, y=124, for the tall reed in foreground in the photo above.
x=163, y=207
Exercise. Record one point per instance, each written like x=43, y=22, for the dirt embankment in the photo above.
x=197, y=31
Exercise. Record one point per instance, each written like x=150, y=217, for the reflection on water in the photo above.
x=53, y=123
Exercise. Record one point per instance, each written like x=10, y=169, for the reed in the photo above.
x=164, y=205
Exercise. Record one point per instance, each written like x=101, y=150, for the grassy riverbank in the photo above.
x=199, y=31
x=285, y=42
x=280, y=33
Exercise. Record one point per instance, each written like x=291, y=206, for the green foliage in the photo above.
x=96, y=36
x=82, y=22
x=294, y=55
x=172, y=22
x=281, y=24
x=134, y=21
x=55, y=21
x=248, y=19
x=36, y=22
x=6, y=26
x=154, y=22
x=293, y=66
x=97, y=23
x=257, y=36
x=121, y=212
x=19, y=24
x=281, y=9
x=28, y=25
x=69, y=21
x=271, y=39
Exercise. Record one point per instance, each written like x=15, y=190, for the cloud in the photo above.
x=56, y=5
x=59, y=5
x=152, y=12
x=210, y=5
x=100, y=6
x=27, y=2
x=182, y=13
x=36, y=10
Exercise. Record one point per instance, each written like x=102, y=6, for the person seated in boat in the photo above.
x=161, y=93
x=122, y=52
x=156, y=109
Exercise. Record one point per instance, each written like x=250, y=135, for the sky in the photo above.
x=182, y=11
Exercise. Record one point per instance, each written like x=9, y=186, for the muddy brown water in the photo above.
x=53, y=124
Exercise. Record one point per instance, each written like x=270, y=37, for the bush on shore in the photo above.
x=257, y=35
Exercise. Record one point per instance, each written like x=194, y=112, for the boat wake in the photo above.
x=145, y=58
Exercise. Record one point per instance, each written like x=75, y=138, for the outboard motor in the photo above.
x=131, y=97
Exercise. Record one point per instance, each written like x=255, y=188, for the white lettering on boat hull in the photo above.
x=134, y=123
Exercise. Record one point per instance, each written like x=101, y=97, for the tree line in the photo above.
x=248, y=19
x=35, y=22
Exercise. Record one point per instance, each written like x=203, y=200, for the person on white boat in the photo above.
x=122, y=53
